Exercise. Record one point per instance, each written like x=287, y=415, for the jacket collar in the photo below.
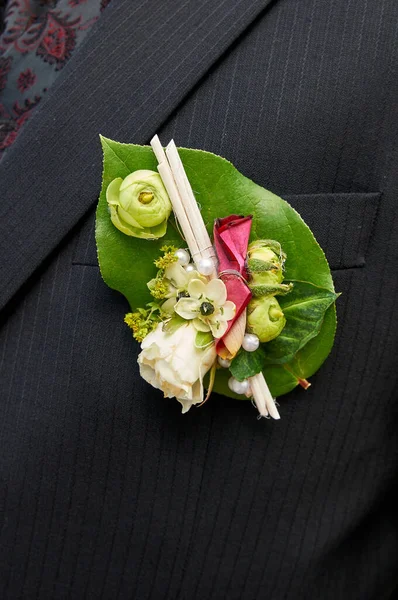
x=132, y=71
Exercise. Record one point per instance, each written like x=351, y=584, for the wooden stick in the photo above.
x=263, y=397
x=259, y=399
x=205, y=245
x=175, y=198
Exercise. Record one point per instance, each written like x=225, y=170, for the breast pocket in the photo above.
x=342, y=224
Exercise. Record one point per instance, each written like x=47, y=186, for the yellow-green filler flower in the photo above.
x=139, y=204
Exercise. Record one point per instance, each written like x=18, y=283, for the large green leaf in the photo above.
x=304, y=308
x=126, y=263
x=281, y=379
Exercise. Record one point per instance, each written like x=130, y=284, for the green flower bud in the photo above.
x=139, y=204
x=265, y=318
x=265, y=260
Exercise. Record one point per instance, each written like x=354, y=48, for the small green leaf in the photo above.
x=304, y=309
x=171, y=325
x=261, y=266
x=269, y=289
x=203, y=339
x=247, y=364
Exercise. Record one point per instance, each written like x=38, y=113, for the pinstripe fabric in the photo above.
x=107, y=492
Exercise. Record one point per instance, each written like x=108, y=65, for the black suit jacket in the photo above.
x=107, y=491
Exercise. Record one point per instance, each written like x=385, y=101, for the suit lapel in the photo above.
x=135, y=67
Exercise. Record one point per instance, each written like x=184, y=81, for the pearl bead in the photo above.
x=224, y=362
x=189, y=268
x=239, y=387
x=250, y=342
x=205, y=266
x=183, y=257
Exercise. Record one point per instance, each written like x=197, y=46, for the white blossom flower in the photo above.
x=177, y=279
x=172, y=363
x=207, y=306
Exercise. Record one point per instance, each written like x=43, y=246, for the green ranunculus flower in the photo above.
x=139, y=204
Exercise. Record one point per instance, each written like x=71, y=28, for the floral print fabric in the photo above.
x=37, y=39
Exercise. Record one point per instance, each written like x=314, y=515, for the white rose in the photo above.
x=170, y=362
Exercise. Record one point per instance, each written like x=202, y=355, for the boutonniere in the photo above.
x=229, y=290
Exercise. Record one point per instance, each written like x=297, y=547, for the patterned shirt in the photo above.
x=37, y=39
